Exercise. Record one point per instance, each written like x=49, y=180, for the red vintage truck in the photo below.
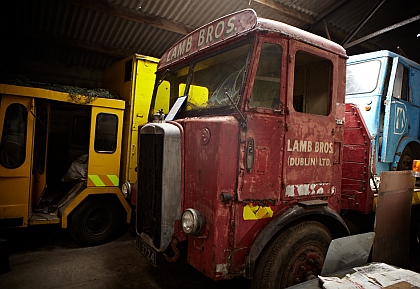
x=243, y=159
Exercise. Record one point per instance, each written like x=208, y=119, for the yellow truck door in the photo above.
x=40, y=150
x=105, y=147
x=16, y=147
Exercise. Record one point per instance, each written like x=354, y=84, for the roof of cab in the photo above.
x=242, y=22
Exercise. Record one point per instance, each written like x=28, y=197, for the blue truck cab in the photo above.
x=385, y=87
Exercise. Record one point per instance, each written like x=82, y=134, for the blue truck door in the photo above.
x=396, y=106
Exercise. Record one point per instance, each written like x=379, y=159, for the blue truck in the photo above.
x=386, y=88
x=382, y=127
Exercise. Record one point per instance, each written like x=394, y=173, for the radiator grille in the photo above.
x=149, y=198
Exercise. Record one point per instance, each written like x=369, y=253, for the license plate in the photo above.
x=148, y=252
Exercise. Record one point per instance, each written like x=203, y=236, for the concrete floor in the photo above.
x=45, y=257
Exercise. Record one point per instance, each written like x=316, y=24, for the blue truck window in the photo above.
x=13, y=140
x=400, y=85
x=362, y=77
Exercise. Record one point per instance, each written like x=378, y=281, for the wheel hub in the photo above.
x=307, y=266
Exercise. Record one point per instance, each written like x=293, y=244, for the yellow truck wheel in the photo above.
x=97, y=220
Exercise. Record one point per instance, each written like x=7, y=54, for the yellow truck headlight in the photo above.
x=126, y=190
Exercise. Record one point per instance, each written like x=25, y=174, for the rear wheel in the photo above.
x=295, y=256
x=96, y=221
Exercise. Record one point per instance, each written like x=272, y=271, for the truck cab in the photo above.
x=382, y=123
x=60, y=162
x=244, y=151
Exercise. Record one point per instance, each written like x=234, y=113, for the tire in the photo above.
x=295, y=256
x=406, y=160
x=97, y=221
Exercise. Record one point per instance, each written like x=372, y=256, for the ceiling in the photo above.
x=72, y=42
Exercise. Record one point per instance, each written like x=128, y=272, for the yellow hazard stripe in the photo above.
x=103, y=180
x=114, y=179
x=416, y=198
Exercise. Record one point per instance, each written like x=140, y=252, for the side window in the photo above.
x=400, y=85
x=13, y=139
x=106, y=133
x=128, y=70
x=80, y=130
x=312, y=84
x=162, y=97
x=266, y=90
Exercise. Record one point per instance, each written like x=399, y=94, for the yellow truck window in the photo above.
x=106, y=133
x=197, y=95
x=162, y=97
x=13, y=140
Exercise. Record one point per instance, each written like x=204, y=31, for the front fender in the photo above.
x=403, y=143
x=297, y=213
x=79, y=193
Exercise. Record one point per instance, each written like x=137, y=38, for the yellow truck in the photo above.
x=68, y=158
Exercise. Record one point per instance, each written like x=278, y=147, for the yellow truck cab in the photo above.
x=69, y=158
x=133, y=80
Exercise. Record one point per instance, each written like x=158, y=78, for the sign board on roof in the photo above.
x=216, y=31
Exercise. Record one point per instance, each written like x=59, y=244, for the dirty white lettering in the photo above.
x=298, y=190
x=230, y=25
x=212, y=33
x=219, y=30
x=188, y=46
x=181, y=49
x=174, y=53
x=209, y=37
x=324, y=147
x=324, y=162
x=201, y=37
x=302, y=162
x=307, y=146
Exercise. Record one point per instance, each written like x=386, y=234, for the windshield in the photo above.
x=362, y=77
x=207, y=84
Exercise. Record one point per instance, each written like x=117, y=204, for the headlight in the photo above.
x=126, y=190
x=192, y=221
x=416, y=168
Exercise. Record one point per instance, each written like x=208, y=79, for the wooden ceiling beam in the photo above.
x=133, y=15
x=284, y=10
x=50, y=39
x=308, y=20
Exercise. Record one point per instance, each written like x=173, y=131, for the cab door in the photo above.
x=264, y=134
x=105, y=147
x=16, y=147
x=40, y=150
x=312, y=140
x=396, y=111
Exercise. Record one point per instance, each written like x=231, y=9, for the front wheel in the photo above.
x=97, y=220
x=295, y=256
x=406, y=159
